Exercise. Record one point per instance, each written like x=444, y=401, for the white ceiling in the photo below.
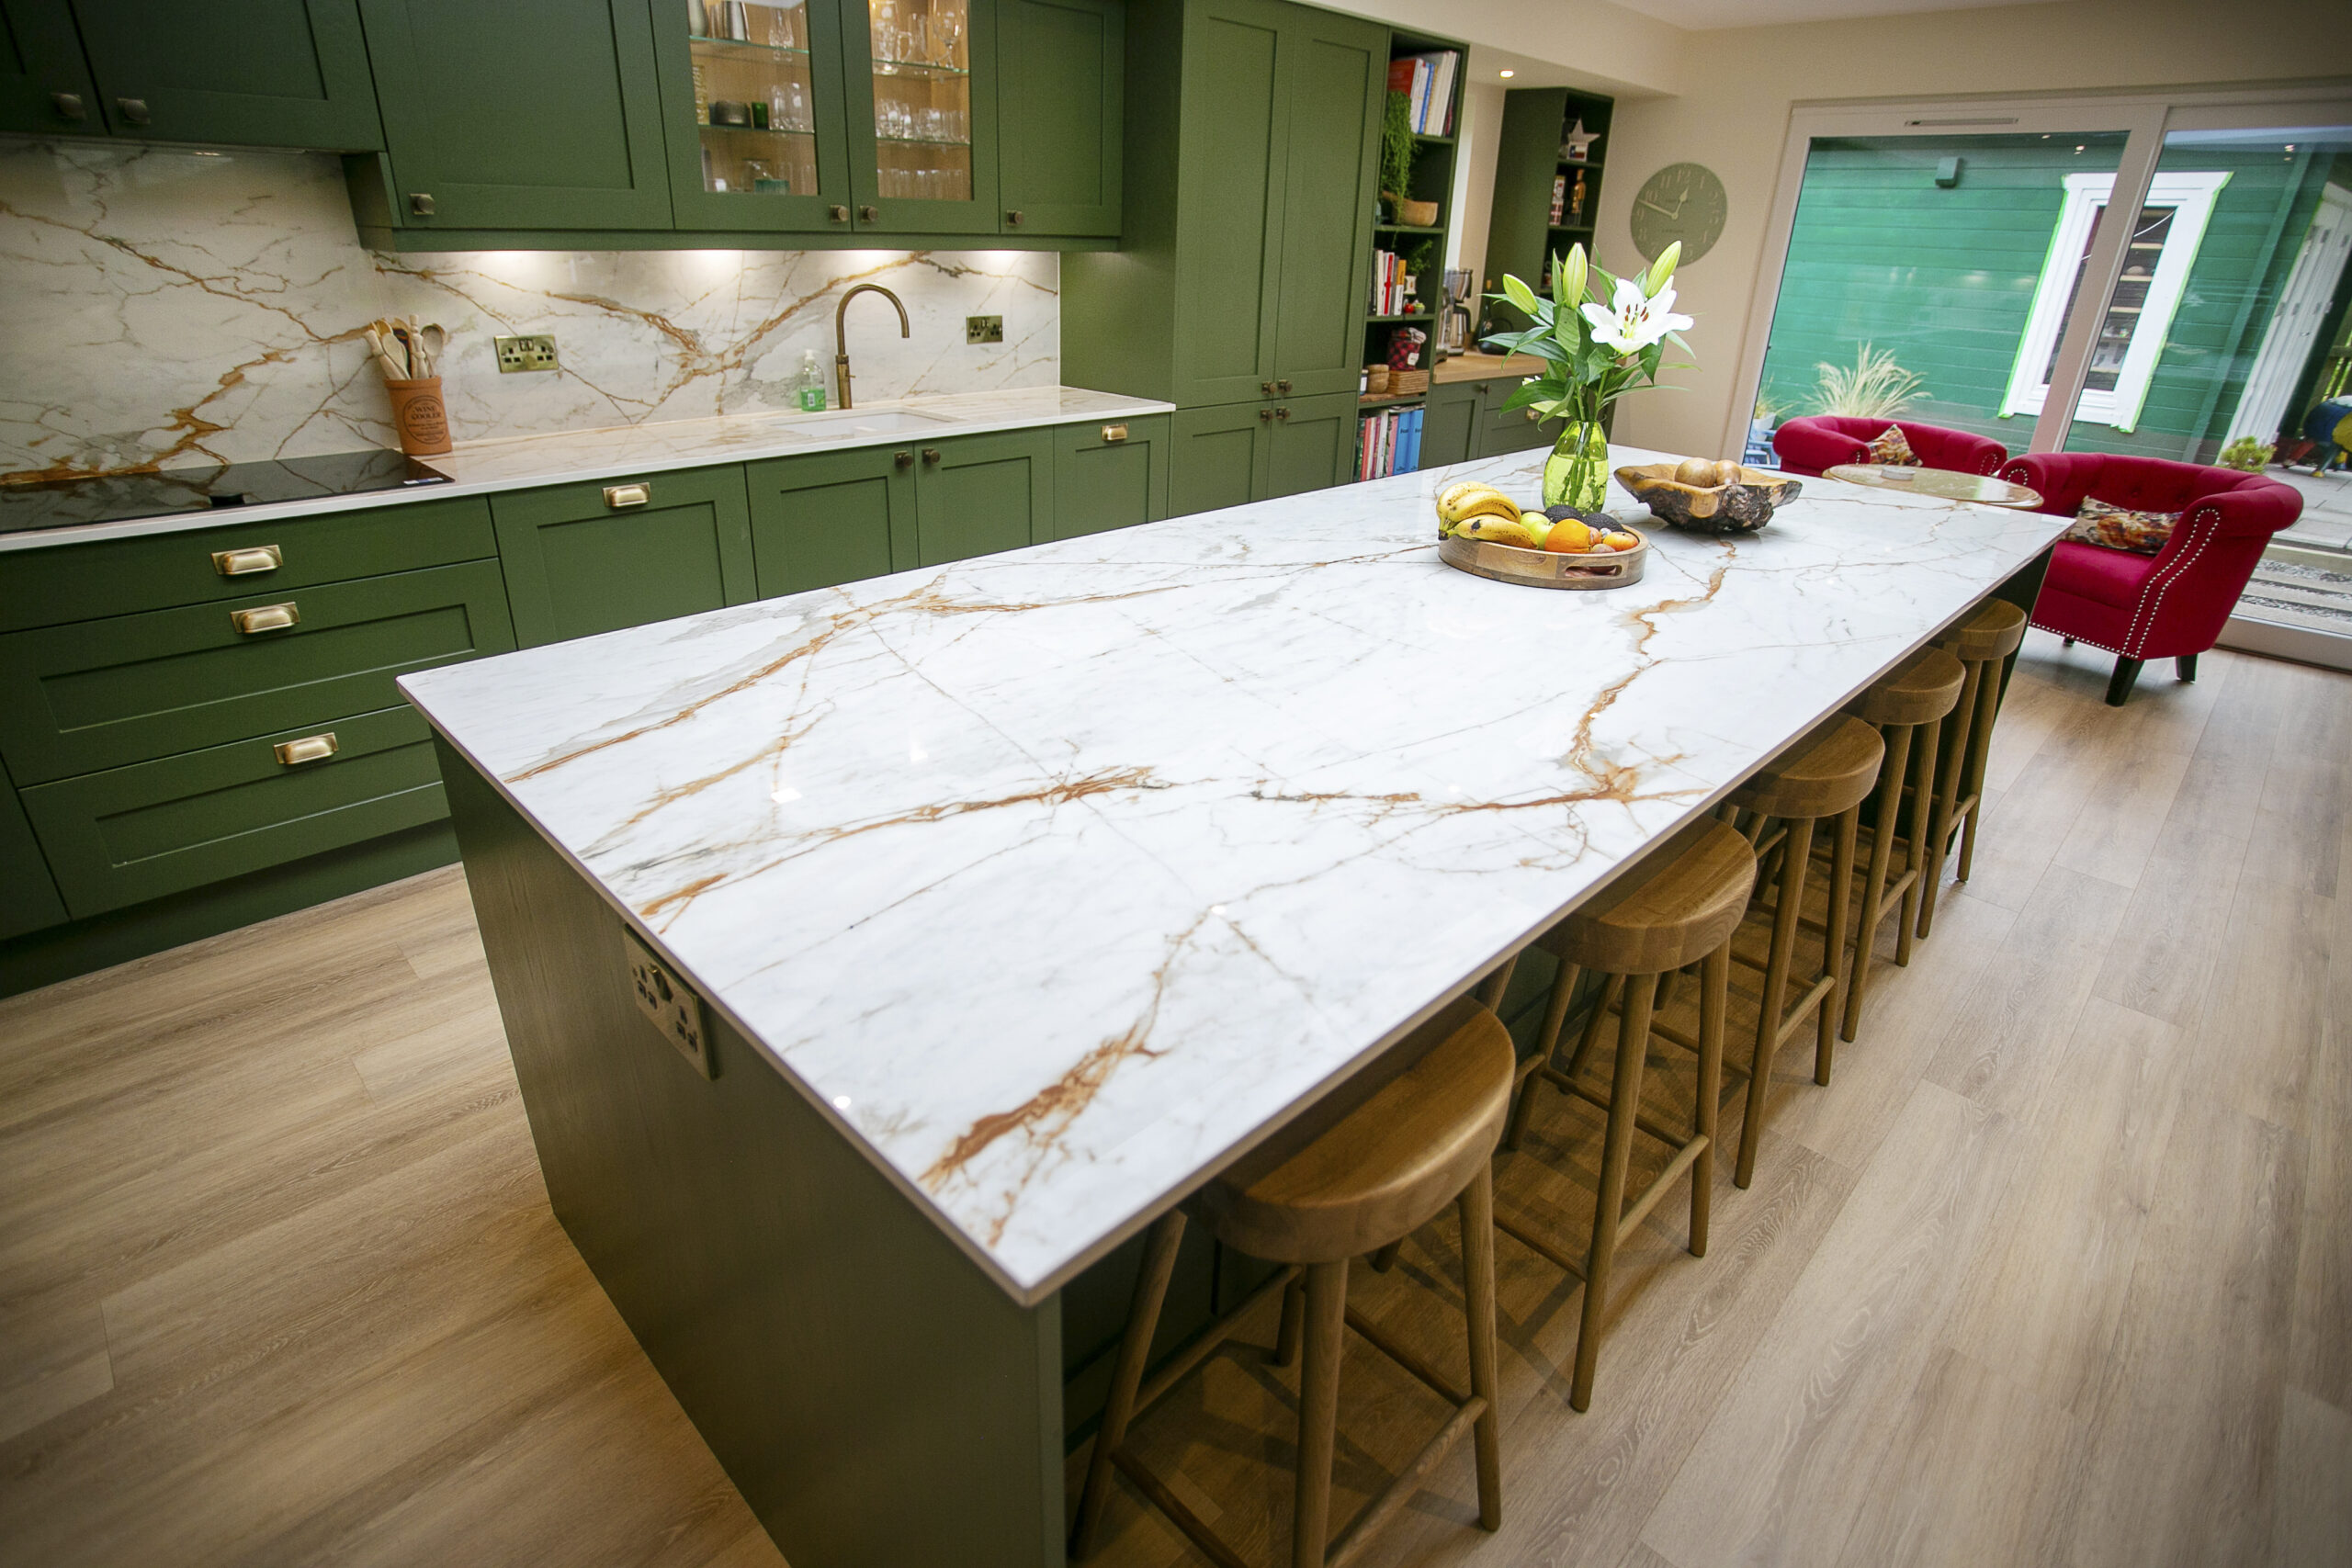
x=1698, y=15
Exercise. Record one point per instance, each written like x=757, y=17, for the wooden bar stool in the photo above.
x=1906, y=708
x=1652, y=923
x=1423, y=1139
x=1825, y=777
x=1982, y=644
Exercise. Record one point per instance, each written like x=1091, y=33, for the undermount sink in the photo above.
x=881, y=421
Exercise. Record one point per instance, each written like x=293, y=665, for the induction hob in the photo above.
x=114, y=498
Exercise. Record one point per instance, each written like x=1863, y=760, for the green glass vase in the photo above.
x=1576, y=473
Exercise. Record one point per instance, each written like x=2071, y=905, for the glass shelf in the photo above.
x=742, y=49
x=777, y=132
x=921, y=142
x=921, y=70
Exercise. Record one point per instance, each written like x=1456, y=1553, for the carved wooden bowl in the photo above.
x=1741, y=508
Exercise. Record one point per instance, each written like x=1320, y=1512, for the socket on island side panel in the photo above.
x=536, y=352
x=670, y=1002
x=984, y=329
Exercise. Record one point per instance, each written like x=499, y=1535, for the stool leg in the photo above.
x=1835, y=952
x=1980, y=747
x=1776, y=985
x=1715, y=985
x=1915, y=842
x=1890, y=804
x=1319, y=1411
x=1955, y=756
x=1491, y=988
x=1477, y=1205
x=1556, y=1013
x=1609, y=1209
x=1127, y=1377
x=1293, y=1324
x=1613, y=992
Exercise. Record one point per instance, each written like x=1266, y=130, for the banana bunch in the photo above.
x=1476, y=510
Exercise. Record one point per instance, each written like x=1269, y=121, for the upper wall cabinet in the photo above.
x=751, y=110
x=527, y=113
x=246, y=73
x=1061, y=76
x=921, y=77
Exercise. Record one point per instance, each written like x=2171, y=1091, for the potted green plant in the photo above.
x=1874, y=387
x=1599, y=337
x=2248, y=454
x=1397, y=155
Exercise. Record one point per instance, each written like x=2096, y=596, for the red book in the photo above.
x=1401, y=75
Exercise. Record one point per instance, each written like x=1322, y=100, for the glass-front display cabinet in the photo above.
x=922, y=114
x=761, y=85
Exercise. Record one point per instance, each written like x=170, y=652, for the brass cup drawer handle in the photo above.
x=239, y=563
x=620, y=497
x=268, y=618
x=1115, y=433
x=310, y=749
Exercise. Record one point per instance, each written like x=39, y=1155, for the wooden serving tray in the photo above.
x=1539, y=569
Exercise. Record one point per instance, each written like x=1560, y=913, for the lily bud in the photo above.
x=1662, y=268
x=1570, y=291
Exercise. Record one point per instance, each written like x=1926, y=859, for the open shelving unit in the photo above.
x=1523, y=237
x=1420, y=244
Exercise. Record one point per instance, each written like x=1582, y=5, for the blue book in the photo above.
x=1408, y=442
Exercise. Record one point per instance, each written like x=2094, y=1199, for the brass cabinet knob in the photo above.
x=931, y=454
x=1016, y=217
x=837, y=214
x=134, y=110
x=239, y=563
x=310, y=749
x=905, y=460
x=1112, y=433
x=266, y=619
x=618, y=497
x=1267, y=388
x=419, y=204
x=869, y=215
x=1266, y=414
x=1282, y=413
x=1283, y=388
x=69, y=106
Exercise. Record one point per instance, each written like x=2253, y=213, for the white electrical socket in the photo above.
x=671, y=1003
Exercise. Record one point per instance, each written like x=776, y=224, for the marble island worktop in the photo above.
x=1057, y=878
x=477, y=468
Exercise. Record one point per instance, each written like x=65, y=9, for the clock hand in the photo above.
x=1654, y=207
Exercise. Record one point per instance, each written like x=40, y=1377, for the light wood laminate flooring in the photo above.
x=2058, y=1269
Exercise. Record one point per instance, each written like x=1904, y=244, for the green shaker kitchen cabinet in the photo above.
x=1448, y=416
x=526, y=114
x=787, y=170
x=1243, y=452
x=594, y=558
x=979, y=494
x=831, y=518
x=1110, y=476
x=28, y=899
x=1060, y=87
x=1335, y=89
x=920, y=83
x=1501, y=429
x=249, y=72
x=45, y=83
x=1308, y=445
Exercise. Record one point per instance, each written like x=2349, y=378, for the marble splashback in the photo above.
x=161, y=306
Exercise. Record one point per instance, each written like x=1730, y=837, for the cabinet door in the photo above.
x=1110, y=476
x=834, y=517
x=28, y=899
x=528, y=114
x=256, y=72
x=980, y=494
x=1335, y=81
x=921, y=95
x=1228, y=202
x=790, y=173
x=44, y=81
x=1310, y=445
x=1447, y=423
x=588, y=558
x=1217, y=457
x=1061, y=72
x=1502, y=430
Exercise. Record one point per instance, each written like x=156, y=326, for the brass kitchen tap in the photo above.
x=841, y=343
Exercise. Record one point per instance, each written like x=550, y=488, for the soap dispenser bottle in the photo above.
x=812, y=383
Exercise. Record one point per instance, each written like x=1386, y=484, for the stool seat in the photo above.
x=1385, y=1168
x=1669, y=920
x=1831, y=772
x=1920, y=690
x=1994, y=631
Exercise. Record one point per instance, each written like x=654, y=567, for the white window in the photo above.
x=2131, y=335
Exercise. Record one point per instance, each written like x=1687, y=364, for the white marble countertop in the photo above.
x=524, y=462
x=1059, y=878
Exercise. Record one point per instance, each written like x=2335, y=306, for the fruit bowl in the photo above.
x=1484, y=532
x=1724, y=499
x=1542, y=569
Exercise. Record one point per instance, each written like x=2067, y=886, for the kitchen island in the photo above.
x=1023, y=894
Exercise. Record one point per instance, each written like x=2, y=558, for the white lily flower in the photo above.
x=1630, y=322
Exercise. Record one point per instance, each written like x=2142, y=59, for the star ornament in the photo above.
x=1633, y=320
x=1578, y=143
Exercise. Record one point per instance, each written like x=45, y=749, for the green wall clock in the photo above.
x=1681, y=202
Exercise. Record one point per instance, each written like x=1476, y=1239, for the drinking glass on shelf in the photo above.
x=796, y=106
x=951, y=36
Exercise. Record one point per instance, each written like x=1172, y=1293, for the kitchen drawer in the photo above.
x=594, y=558
x=129, y=834
x=101, y=693
x=115, y=576
x=1110, y=476
x=28, y=895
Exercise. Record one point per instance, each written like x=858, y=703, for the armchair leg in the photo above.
x=2119, y=685
x=2065, y=642
x=2186, y=666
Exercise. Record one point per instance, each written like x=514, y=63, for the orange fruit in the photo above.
x=1568, y=538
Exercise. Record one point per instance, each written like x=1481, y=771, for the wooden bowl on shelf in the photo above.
x=1416, y=214
x=1727, y=505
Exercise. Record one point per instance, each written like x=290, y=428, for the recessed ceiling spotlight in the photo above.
x=1506, y=75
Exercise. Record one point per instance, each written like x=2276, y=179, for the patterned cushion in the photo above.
x=1892, y=447
x=2121, y=528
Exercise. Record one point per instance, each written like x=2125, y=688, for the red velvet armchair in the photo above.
x=2168, y=605
x=1821, y=441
